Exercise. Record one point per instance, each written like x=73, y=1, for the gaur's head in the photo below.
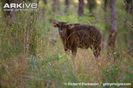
x=62, y=27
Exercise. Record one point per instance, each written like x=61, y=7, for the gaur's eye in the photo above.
x=55, y=24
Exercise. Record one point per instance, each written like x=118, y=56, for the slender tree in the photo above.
x=106, y=4
x=45, y=1
x=129, y=23
x=42, y=10
x=113, y=30
x=129, y=6
x=55, y=5
x=9, y=16
x=67, y=5
x=91, y=4
x=81, y=8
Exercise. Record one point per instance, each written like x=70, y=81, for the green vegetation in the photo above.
x=46, y=65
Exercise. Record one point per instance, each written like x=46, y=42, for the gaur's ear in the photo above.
x=55, y=23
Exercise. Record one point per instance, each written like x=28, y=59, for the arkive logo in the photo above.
x=20, y=6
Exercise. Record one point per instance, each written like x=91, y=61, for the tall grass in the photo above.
x=52, y=67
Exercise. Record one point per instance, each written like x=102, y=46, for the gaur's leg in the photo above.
x=66, y=50
x=74, y=51
x=96, y=51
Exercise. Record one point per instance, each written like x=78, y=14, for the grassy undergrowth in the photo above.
x=52, y=67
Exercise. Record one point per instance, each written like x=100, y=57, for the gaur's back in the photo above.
x=85, y=35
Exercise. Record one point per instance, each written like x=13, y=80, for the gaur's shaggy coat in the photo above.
x=79, y=36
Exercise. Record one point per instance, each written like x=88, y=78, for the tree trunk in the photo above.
x=129, y=6
x=67, y=5
x=42, y=10
x=81, y=8
x=55, y=5
x=113, y=30
x=45, y=1
x=106, y=4
x=9, y=16
x=91, y=4
x=129, y=23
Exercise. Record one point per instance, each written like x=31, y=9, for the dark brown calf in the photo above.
x=79, y=36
